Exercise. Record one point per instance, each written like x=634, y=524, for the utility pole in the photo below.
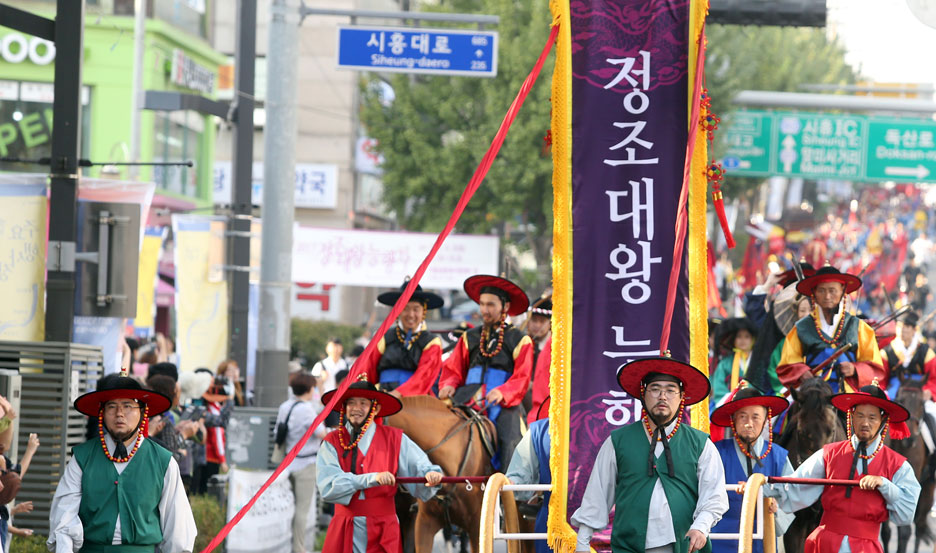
x=279, y=189
x=63, y=172
x=136, y=102
x=238, y=228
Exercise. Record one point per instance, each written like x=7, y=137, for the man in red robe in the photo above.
x=492, y=363
x=408, y=357
x=357, y=468
x=888, y=487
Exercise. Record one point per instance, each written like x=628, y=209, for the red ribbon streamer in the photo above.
x=811, y=481
x=682, y=214
x=472, y=187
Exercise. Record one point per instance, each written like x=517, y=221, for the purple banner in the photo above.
x=629, y=131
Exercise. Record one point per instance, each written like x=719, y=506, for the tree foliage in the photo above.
x=768, y=58
x=437, y=129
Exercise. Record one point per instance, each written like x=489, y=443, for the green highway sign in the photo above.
x=824, y=146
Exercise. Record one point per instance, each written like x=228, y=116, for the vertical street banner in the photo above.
x=23, y=208
x=145, y=320
x=201, y=300
x=622, y=97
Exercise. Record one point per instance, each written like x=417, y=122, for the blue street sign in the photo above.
x=405, y=50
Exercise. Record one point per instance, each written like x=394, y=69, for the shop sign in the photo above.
x=190, y=74
x=17, y=48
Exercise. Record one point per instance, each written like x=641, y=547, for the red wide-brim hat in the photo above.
x=895, y=412
x=121, y=388
x=389, y=405
x=808, y=285
x=519, y=302
x=722, y=415
x=788, y=277
x=695, y=385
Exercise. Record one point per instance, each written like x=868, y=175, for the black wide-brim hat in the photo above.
x=746, y=397
x=389, y=405
x=432, y=301
x=542, y=306
x=808, y=285
x=911, y=319
x=788, y=277
x=729, y=329
x=871, y=395
x=479, y=284
x=115, y=386
x=695, y=385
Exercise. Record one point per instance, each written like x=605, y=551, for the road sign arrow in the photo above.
x=479, y=52
x=788, y=153
x=919, y=171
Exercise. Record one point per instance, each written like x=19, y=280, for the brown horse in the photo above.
x=812, y=422
x=455, y=441
x=913, y=448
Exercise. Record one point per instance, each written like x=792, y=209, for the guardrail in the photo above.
x=753, y=509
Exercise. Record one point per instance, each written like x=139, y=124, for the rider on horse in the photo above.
x=852, y=515
x=751, y=449
x=409, y=357
x=908, y=357
x=357, y=468
x=830, y=326
x=492, y=363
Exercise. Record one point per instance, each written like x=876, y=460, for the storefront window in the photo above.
x=26, y=123
x=178, y=138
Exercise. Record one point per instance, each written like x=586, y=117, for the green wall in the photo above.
x=108, y=71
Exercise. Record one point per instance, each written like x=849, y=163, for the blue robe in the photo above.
x=775, y=464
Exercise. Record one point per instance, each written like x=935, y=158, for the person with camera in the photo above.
x=293, y=420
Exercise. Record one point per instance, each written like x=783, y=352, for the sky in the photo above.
x=884, y=39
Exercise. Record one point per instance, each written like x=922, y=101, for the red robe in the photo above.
x=430, y=363
x=383, y=528
x=541, y=382
x=857, y=518
x=455, y=369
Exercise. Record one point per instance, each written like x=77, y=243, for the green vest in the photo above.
x=134, y=494
x=634, y=488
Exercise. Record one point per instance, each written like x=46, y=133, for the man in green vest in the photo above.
x=664, y=479
x=121, y=493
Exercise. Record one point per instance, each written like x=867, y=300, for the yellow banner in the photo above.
x=201, y=305
x=22, y=262
x=146, y=279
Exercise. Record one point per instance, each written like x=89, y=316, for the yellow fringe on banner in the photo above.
x=561, y=536
x=697, y=240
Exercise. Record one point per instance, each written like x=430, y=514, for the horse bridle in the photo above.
x=472, y=417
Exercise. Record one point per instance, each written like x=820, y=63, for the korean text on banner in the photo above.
x=375, y=258
x=23, y=208
x=629, y=135
x=146, y=280
x=201, y=304
x=268, y=526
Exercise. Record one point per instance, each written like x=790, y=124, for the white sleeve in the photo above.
x=67, y=533
x=334, y=484
x=713, y=499
x=524, y=466
x=175, y=514
x=793, y=497
x=592, y=515
x=901, y=495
